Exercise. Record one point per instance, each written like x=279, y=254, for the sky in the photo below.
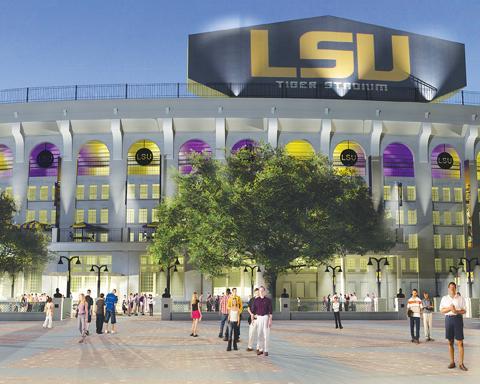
x=62, y=42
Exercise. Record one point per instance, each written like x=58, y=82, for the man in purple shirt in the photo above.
x=262, y=311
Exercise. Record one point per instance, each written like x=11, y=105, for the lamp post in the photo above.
x=252, y=269
x=69, y=261
x=454, y=271
x=175, y=269
x=99, y=271
x=378, y=272
x=334, y=270
x=467, y=263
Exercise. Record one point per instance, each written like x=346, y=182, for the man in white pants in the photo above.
x=262, y=310
x=252, y=328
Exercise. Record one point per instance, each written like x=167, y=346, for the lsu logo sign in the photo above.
x=326, y=57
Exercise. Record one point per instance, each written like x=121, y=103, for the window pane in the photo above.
x=105, y=192
x=438, y=265
x=130, y=215
x=30, y=215
x=387, y=192
x=142, y=216
x=412, y=216
x=143, y=191
x=411, y=193
x=44, y=192
x=80, y=192
x=53, y=216
x=131, y=191
x=92, y=216
x=435, y=196
x=92, y=192
x=448, y=241
x=79, y=216
x=43, y=216
x=458, y=195
x=412, y=241
x=104, y=216
x=447, y=218
x=32, y=193
x=459, y=218
x=436, y=217
x=155, y=191
x=446, y=194
x=437, y=241
x=413, y=264
x=460, y=241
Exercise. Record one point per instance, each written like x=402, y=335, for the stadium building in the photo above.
x=90, y=164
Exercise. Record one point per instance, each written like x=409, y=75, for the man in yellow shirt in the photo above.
x=240, y=306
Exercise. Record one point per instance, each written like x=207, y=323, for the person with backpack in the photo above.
x=110, y=313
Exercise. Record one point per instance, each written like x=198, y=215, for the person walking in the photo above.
x=233, y=325
x=48, y=323
x=354, y=299
x=125, y=305
x=336, y=312
x=252, y=324
x=240, y=307
x=150, y=303
x=427, y=312
x=347, y=302
x=196, y=313
x=224, y=314
x=329, y=303
x=89, y=299
x=453, y=306
x=100, y=313
x=262, y=310
x=110, y=310
x=368, y=303
x=414, y=309
x=82, y=315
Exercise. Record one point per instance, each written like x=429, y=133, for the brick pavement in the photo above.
x=146, y=350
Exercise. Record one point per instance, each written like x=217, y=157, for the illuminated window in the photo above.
x=155, y=214
x=387, y=195
x=92, y=216
x=104, y=216
x=153, y=168
x=132, y=237
x=130, y=216
x=400, y=217
x=92, y=192
x=412, y=217
x=93, y=159
x=459, y=218
x=436, y=217
x=435, y=194
x=446, y=194
x=30, y=215
x=9, y=192
x=104, y=237
x=460, y=241
x=43, y=216
x=142, y=216
x=155, y=191
x=447, y=218
x=131, y=191
x=300, y=149
x=79, y=216
x=411, y=193
x=143, y=191
x=44, y=192
x=458, y=195
x=413, y=241
x=80, y=192
x=451, y=173
x=363, y=264
x=438, y=265
x=388, y=213
x=448, y=263
x=146, y=281
x=32, y=193
x=413, y=264
x=437, y=241
x=351, y=264
x=403, y=262
x=53, y=216
x=105, y=192
x=448, y=241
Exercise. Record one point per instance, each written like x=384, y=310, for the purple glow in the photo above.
x=244, y=144
x=35, y=170
x=93, y=159
x=6, y=161
x=191, y=146
x=397, y=161
x=439, y=173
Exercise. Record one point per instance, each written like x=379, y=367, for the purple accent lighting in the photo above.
x=244, y=144
x=191, y=146
x=439, y=173
x=36, y=170
x=398, y=161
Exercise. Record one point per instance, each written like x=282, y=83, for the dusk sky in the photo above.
x=145, y=41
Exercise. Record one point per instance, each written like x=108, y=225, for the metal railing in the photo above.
x=418, y=92
x=90, y=236
x=17, y=306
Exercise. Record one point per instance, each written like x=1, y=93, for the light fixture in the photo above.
x=460, y=264
x=177, y=262
x=259, y=270
x=245, y=269
x=370, y=262
x=386, y=262
x=92, y=270
x=106, y=269
x=175, y=269
x=78, y=261
x=60, y=262
x=340, y=270
x=326, y=269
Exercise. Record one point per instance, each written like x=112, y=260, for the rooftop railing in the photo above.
x=351, y=91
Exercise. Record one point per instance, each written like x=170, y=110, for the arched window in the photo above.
x=300, y=149
x=445, y=162
x=349, y=155
x=93, y=159
x=144, y=158
x=244, y=144
x=44, y=160
x=398, y=161
x=189, y=147
x=6, y=161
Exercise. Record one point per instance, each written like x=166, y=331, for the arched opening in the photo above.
x=300, y=149
x=349, y=155
x=445, y=162
x=187, y=149
x=398, y=161
x=144, y=158
x=244, y=144
x=93, y=159
x=44, y=160
x=6, y=161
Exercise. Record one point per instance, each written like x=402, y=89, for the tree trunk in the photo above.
x=13, y=286
x=271, y=281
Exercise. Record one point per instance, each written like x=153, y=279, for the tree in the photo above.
x=20, y=249
x=279, y=211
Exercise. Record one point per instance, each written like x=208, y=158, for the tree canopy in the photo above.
x=266, y=207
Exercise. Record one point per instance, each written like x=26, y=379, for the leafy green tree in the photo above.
x=20, y=249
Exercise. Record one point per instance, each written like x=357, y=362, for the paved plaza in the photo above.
x=147, y=350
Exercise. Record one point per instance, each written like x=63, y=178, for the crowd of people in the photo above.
x=137, y=304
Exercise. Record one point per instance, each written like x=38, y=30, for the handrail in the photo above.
x=418, y=92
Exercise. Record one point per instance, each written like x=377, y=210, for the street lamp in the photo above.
x=99, y=270
x=468, y=268
x=174, y=266
x=252, y=269
x=454, y=271
x=334, y=270
x=378, y=272
x=69, y=260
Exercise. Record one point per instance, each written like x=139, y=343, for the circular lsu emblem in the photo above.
x=445, y=160
x=144, y=156
x=45, y=159
x=348, y=157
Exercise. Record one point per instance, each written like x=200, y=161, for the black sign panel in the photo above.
x=348, y=157
x=45, y=159
x=327, y=57
x=445, y=160
x=144, y=156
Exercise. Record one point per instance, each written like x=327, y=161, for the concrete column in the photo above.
x=375, y=171
x=118, y=176
x=68, y=175
x=166, y=313
x=220, y=138
x=325, y=136
x=168, y=164
x=272, y=131
x=20, y=170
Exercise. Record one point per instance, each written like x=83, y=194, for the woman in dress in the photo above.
x=82, y=314
x=196, y=313
x=48, y=323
